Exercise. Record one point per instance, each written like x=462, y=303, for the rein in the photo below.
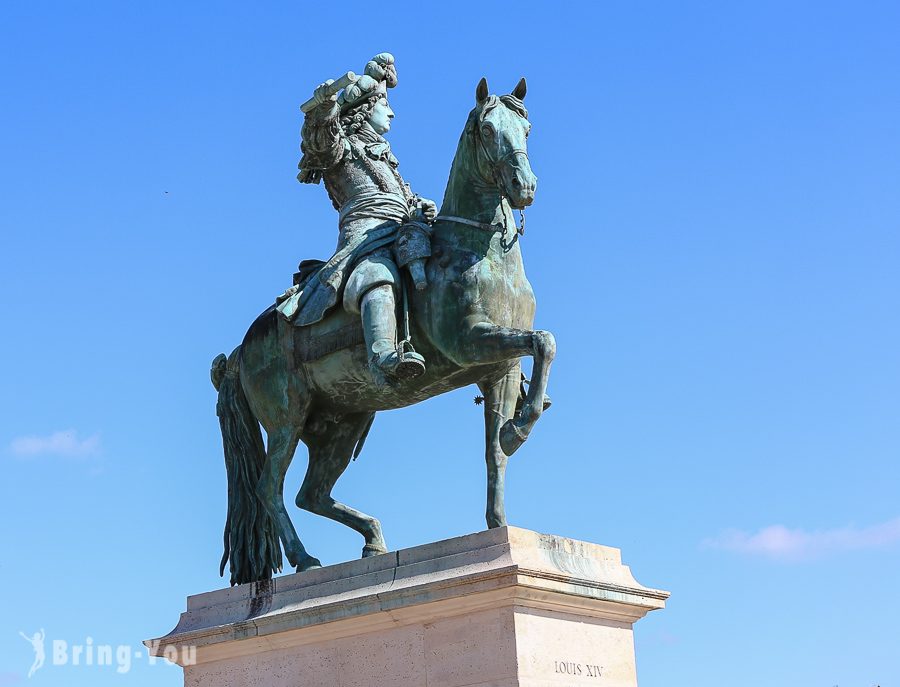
x=487, y=226
x=492, y=228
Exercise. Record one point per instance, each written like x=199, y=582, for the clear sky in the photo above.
x=715, y=243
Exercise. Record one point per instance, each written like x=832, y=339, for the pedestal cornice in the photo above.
x=504, y=567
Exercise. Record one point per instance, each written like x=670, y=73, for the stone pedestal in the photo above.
x=502, y=608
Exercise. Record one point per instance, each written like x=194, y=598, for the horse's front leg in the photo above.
x=500, y=398
x=515, y=431
x=487, y=343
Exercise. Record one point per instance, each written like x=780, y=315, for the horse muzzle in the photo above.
x=520, y=187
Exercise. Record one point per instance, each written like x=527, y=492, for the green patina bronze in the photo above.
x=352, y=337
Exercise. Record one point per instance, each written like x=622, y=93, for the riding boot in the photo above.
x=379, y=319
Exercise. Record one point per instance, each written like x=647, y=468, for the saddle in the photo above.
x=337, y=331
x=286, y=304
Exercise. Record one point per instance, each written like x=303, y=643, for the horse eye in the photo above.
x=487, y=131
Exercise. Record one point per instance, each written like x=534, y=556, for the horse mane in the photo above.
x=514, y=104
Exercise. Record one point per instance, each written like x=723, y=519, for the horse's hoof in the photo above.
x=309, y=564
x=369, y=551
x=547, y=402
x=495, y=520
x=511, y=437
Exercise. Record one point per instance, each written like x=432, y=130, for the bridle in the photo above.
x=494, y=180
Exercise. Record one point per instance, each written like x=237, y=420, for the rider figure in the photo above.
x=342, y=143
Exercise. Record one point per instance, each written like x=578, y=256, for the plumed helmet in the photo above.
x=380, y=74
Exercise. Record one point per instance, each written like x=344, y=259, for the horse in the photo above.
x=473, y=323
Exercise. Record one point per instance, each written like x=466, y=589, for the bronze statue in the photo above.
x=317, y=366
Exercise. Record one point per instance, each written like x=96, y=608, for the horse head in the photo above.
x=499, y=126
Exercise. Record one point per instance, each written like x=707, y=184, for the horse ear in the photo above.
x=520, y=89
x=481, y=92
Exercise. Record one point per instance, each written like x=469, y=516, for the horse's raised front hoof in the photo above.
x=511, y=437
x=369, y=550
x=309, y=563
x=547, y=402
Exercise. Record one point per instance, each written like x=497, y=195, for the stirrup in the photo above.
x=400, y=365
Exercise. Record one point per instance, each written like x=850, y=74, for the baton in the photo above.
x=343, y=82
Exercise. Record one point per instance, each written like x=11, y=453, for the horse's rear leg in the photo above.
x=500, y=397
x=280, y=448
x=331, y=442
x=488, y=343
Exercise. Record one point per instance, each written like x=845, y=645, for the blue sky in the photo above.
x=714, y=242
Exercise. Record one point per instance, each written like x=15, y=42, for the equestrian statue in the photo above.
x=413, y=303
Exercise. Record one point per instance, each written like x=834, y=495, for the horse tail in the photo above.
x=251, y=537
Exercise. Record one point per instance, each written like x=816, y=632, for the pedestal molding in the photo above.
x=507, y=570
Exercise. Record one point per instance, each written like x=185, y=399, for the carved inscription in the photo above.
x=577, y=669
